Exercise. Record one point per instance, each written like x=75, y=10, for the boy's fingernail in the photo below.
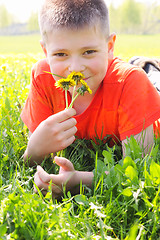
x=59, y=159
x=38, y=167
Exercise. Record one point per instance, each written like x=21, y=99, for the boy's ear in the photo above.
x=43, y=48
x=111, y=42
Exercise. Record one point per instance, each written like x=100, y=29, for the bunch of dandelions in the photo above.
x=74, y=79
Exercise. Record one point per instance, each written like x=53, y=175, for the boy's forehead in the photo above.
x=64, y=32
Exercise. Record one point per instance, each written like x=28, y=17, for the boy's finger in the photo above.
x=44, y=176
x=43, y=186
x=67, y=133
x=64, y=163
x=63, y=115
x=70, y=140
x=39, y=183
x=68, y=124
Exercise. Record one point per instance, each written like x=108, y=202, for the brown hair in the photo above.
x=73, y=14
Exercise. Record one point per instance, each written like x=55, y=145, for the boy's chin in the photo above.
x=71, y=88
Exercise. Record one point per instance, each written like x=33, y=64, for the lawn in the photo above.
x=126, y=46
x=20, y=44
x=122, y=205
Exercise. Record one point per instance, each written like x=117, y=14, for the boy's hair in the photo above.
x=73, y=14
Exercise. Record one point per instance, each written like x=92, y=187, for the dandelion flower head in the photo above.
x=65, y=83
x=84, y=88
x=76, y=76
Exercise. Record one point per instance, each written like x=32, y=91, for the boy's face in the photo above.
x=86, y=50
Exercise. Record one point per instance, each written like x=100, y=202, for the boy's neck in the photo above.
x=82, y=102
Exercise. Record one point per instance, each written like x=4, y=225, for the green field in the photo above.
x=20, y=44
x=126, y=45
x=123, y=205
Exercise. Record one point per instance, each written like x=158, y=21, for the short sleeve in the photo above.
x=139, y=104
x=36, y=108
x=43, y=99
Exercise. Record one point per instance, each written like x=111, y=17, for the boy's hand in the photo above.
x=52, y=135
x=66, y=177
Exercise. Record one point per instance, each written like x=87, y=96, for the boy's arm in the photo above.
x=52, y=135
x=68, y=177
x=145, y=138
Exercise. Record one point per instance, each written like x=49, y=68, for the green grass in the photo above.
x=122, y=205
x=126, y=45
x=20, y=44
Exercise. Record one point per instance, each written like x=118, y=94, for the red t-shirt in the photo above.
x=125, y=103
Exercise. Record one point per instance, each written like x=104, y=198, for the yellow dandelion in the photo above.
x=3, y=67
x=85, y=87
x=65, y=83
x=76, y=76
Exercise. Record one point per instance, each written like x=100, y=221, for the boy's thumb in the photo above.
x=64, y=163
x=44, y=176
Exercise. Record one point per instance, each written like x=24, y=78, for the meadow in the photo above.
x=126, y=46
x=123, y=205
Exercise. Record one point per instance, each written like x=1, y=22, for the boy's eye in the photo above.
x=60, y=54
x=88, y=52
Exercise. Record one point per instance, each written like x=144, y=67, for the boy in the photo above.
x=75, y=37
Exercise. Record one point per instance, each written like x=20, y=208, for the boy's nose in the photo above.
x=76, y=66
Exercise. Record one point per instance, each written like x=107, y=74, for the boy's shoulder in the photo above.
x=40, y=67
x=119, y=71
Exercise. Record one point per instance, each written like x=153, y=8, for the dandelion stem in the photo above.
x=54, y=74
x=74, y=88
x=66, y=98
x=73, y=99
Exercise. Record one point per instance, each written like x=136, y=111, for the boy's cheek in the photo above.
x=57, y=68
x=99, y=63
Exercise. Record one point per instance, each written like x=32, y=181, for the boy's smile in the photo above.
x=85, y=50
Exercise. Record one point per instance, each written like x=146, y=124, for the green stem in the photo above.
x=73, y=92
x=73, y=99
x=54, y=74
x=66, y=98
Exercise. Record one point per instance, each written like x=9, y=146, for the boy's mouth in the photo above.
x=86, y=78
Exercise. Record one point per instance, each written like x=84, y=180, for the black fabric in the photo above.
x=152, y=68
